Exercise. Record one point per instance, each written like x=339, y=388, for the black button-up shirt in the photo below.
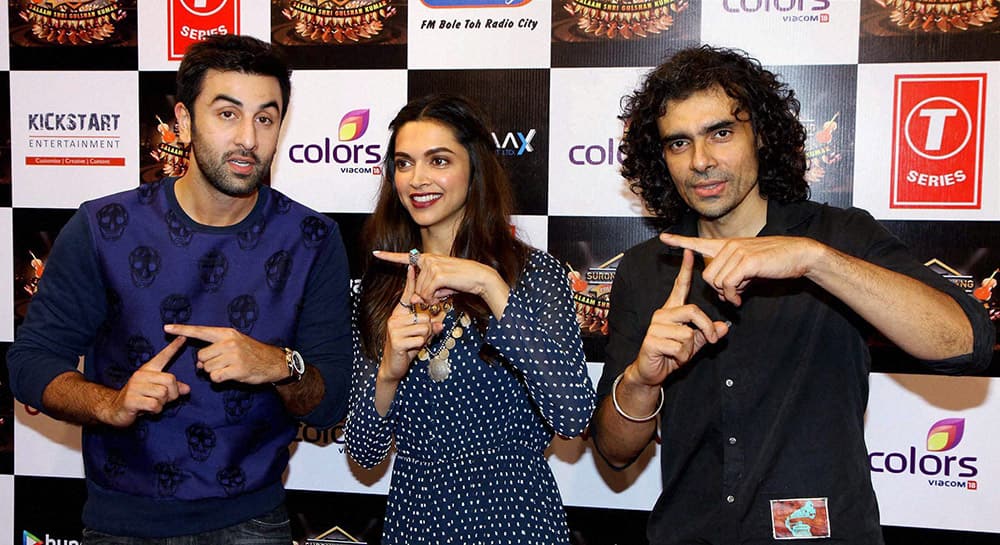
x=775, y=410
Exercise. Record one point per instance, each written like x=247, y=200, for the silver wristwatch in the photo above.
x=296, y=366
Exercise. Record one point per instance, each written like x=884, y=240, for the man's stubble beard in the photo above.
x=219, y=176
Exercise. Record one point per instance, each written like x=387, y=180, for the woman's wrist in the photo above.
x=495, y=292
x=384, y=376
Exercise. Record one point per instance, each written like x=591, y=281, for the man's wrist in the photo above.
x=294, y=366
x=632, y=390
x=632, y=380
x=628, y=413
x=820, y=258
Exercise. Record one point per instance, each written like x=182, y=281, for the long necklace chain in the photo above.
x=439, y=365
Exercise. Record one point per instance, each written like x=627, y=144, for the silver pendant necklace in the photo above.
x=439, y=365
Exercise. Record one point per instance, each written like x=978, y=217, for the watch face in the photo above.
x=297, y=363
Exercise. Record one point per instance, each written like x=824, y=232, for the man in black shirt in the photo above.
x=744, y=325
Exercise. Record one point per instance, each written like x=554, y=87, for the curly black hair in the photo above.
x=773, y=113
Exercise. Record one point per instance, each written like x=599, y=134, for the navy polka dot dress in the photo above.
x=469, y=466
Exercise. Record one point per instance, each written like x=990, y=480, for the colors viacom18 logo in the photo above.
x=937, y=141
x=351, y=156
x=940, y=470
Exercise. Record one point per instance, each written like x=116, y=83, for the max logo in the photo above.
x=510, y=146
x=937, y=141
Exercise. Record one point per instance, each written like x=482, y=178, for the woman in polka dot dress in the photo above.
x=469, y=355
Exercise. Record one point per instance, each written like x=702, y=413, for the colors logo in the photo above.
x=596, y=154
x=30, y=539
x=353, y=125
x=945, y=434
x=793, y=11
x=946, y=471
x=358, y=158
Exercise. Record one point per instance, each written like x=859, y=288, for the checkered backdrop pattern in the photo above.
x=899, y=102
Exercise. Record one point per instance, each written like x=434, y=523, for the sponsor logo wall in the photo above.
x=901, y=119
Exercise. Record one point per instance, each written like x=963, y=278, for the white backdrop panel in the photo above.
x=534, y=230
x=4, y=40
x=155, y=28
x=75, y=123
x=774, y=31
x=329, y=156
x=957, y=487
x=45, y=447
x=518, y=36
x=6, y=505
x=584, y=178
x=874, y=141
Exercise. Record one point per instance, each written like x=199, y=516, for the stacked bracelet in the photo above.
x=626, y=416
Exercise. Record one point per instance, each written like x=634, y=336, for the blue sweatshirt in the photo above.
x=122, y=267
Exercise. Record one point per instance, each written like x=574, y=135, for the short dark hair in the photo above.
x=769, y=104
x=231, y=53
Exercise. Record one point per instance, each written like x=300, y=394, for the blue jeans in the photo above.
x=271, y=528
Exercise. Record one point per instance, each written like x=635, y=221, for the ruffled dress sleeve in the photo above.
x=367, y=434
x=540, y=338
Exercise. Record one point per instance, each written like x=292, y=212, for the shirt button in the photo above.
x=730, y=499
x=732, y=440
x=729, y=383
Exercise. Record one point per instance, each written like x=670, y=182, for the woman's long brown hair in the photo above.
x=484, y=234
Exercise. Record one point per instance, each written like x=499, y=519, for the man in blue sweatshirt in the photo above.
x=211, y=311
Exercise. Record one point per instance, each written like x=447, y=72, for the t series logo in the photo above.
x=353, y=158
x=937, y=141
x=943, y=470
x=190, y=21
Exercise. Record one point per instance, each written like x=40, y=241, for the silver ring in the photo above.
x=414, y=257
x=407, y=306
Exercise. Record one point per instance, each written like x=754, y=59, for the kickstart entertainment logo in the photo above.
x=940, y=470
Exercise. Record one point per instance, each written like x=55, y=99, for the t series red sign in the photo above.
x=190, y=21
x=937, y=141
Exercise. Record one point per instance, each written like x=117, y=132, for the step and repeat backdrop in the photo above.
x=900, y=100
